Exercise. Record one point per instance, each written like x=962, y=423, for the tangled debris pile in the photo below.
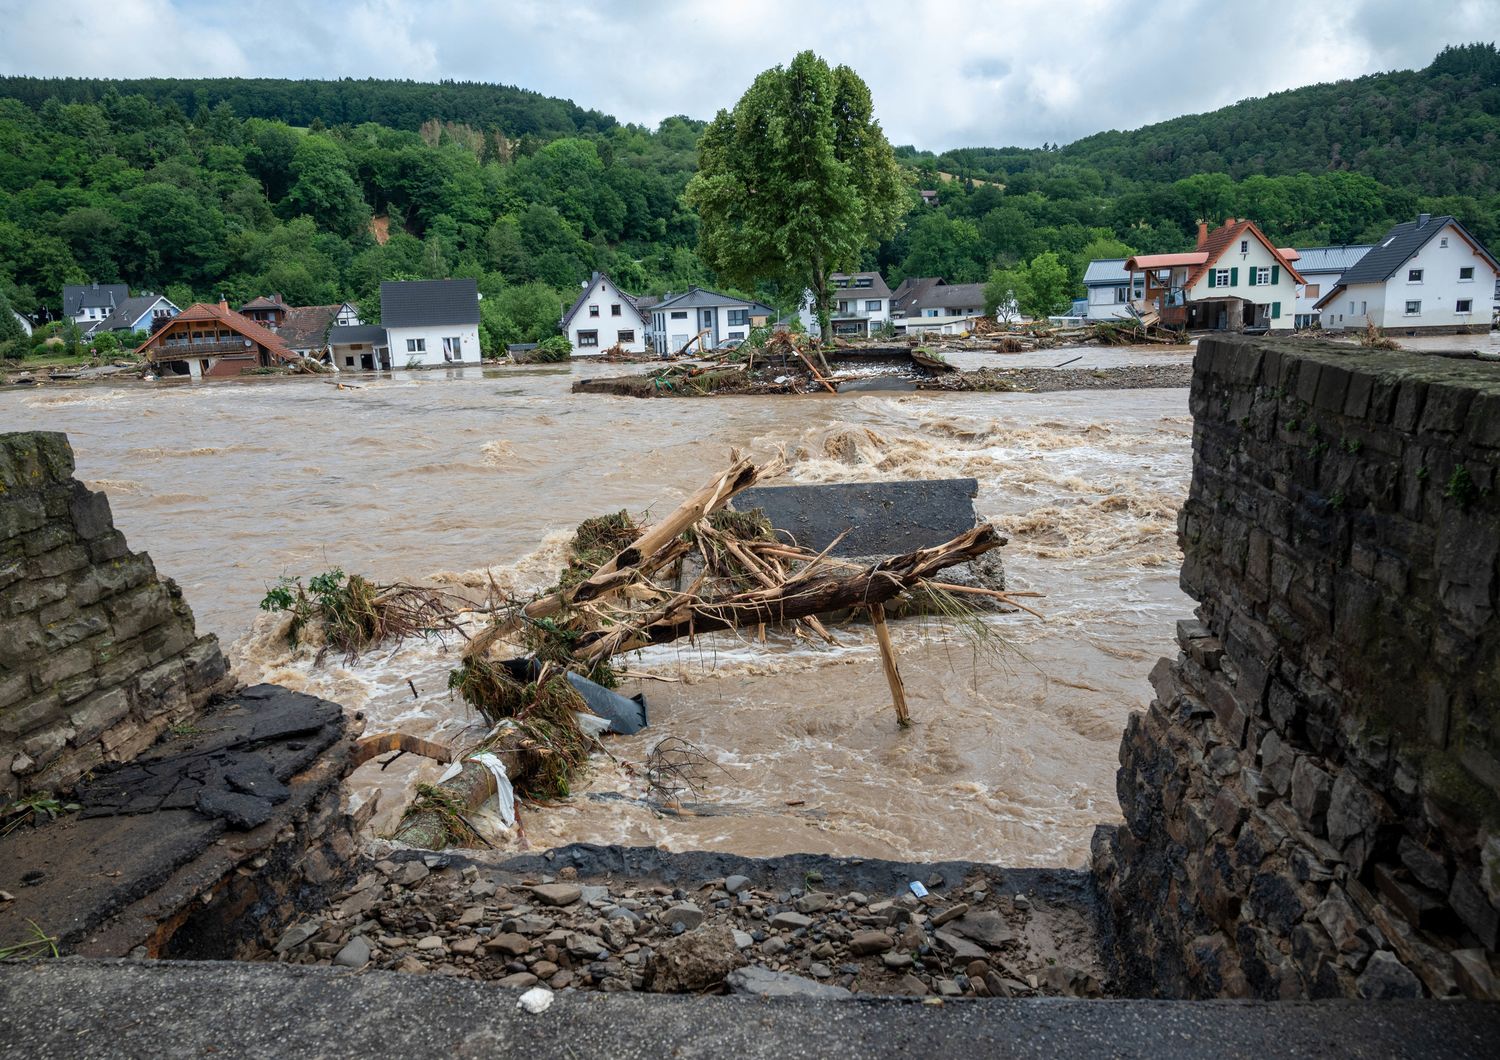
x=732, y=933
x=700, y=569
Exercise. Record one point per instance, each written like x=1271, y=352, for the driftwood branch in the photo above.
x=793, y=600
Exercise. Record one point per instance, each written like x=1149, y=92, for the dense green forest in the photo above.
x=321, y=189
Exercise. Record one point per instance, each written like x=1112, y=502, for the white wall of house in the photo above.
x=348, y=316
x=1249, y=271
x=424, y=347
x=1109, y=301
x=606, y=317
x=1308, y=295
x=1443, y=296
x=674, y=326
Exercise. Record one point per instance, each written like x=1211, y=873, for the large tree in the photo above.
x=797, y=182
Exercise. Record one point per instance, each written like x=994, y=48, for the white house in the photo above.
x=1111, y=289
x=1322, y=268
x=604, y=316
x=430, y=323
x=1425, y=275
x=861, y=305
x=143, y=312
x=719, y=318
x=1236, y=280
x=88, y=303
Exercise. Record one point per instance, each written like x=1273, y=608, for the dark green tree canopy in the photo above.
x=797, y=182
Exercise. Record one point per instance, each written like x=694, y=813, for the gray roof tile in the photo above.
x=426, y=303
x=1399, y=244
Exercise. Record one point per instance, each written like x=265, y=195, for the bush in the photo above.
x=550, y=351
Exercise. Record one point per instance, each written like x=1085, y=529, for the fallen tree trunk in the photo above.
x=798, y=598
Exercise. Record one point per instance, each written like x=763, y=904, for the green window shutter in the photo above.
x=1251, y=277
x=1234, y=276
x=1275, y=309
x=1213, y=277
x=1275, y=275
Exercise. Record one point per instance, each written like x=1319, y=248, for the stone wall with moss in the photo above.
x=1312, y=801
x=98, y=655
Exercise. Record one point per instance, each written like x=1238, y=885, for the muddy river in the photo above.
x=452, y=475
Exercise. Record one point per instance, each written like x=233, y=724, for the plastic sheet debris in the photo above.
x=505, y=795
x=917, y=888
x=626, y=715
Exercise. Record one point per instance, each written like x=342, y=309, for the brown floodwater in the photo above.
x=449, y=475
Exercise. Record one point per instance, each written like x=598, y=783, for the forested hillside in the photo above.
x=319, y=190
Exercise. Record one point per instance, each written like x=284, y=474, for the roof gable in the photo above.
x=131, y=310
x=78, y=296
x=428, y=303
x=589, y=288
x=703, y=298
x=1225, y=236
x=1405, y=240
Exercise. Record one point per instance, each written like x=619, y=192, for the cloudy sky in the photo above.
x=944, y=73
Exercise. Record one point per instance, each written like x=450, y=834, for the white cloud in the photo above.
x=944, y=73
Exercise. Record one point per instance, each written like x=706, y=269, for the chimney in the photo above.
x=1228, y=221
x=223, y=302
x=1422, y=219
x=1202, y=233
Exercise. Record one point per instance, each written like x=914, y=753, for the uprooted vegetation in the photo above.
x=351, y=614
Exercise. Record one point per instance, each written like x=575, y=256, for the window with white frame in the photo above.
x=1263, y=275
x=416, y=345
x=1413, y=275
x=593, y=310
x=1466, y=273
x=588, y=338
x=625, y=335
x=1221, y=277
x=1413, y=308
x=872, y=305
x=1122, y=294
x=453, y=348
x=1244, y=246
x=1465, y=305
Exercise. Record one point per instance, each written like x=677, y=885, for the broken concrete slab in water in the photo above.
x=868, y=518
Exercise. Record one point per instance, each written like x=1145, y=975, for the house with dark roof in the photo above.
x=358, y=347
x=86, y=304
x=430, y=323
x=1322, y=268
x=1236, y=280
x=604, y=316
x=933, y=296
x=208, y=341
x=142, y=312
x=861, y=305
x=303, y=329
x=1427, y=275
x=703, y=319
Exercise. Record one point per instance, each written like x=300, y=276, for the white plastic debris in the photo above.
x=591, y=724
x=536, y=1000
x=917, y=889
x=505, y=795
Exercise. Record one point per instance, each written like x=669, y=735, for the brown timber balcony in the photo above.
x=170, y=351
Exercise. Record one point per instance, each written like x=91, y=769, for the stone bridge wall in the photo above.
x=98, y=655
x=1311, y=800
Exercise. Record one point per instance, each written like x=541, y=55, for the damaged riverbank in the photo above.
x=630, y=919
